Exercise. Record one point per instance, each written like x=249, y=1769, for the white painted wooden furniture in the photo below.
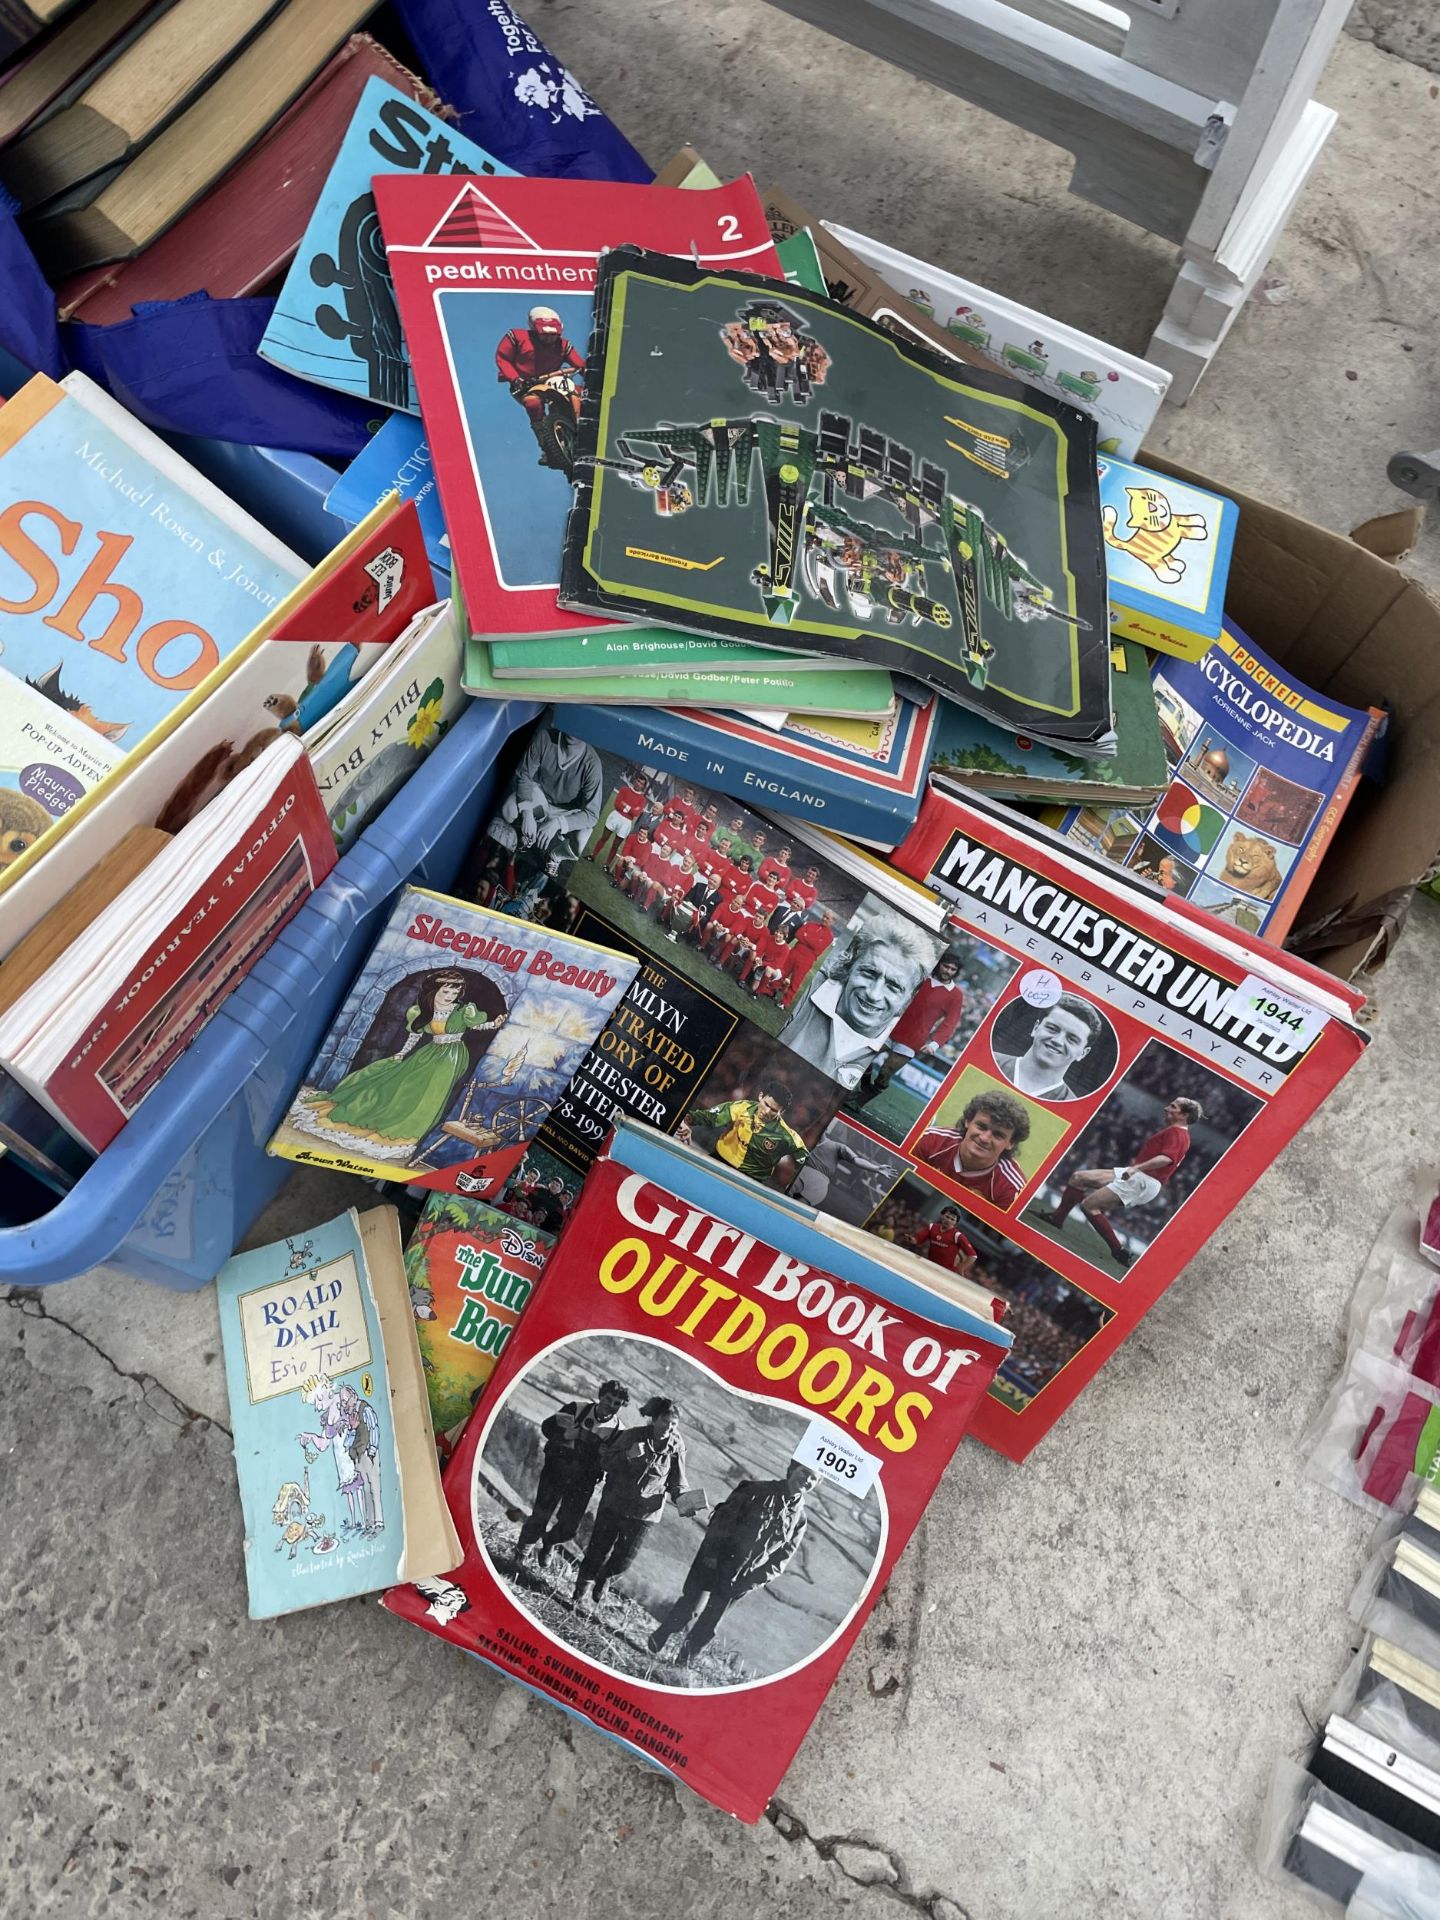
x=1192, y=118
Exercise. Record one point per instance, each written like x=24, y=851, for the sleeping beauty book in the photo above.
x=460, y=1033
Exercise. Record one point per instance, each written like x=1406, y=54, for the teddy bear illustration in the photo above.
x=1155, y=530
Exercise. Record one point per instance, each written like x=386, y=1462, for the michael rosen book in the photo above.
x=704, y=1449
x=1262, y=768
x=335, y=319
x=767, y=465
x=471, y=1270
x=494, y=282
x=456, y=1039
x=337, y=1471
x=1117, y=1073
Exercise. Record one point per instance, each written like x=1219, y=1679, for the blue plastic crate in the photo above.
x=174, y=1193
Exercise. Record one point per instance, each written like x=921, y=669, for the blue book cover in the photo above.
x=125, y=578
x=338, y=1475
x=395, y=460
x=335, y=320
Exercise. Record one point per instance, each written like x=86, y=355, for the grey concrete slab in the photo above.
x=1068, y=1700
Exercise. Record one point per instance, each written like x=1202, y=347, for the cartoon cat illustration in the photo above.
x=1155, y=531
x=49, y=685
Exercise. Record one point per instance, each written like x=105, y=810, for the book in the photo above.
x=1122, y=1070
x=135, y=96
x=1261, y=770
x=236, y=238
x=76, y=48
x=765, y=1410
x=971, y=751
x=849, y=493
x=865, y=692
x=21, y=21
x=1167, y=557
x=395, y=459
x=49, y=758
x=1123, y=392
x=94, y=1034
x=471, y=1269
x=455, y=1040
x=768, y=981
x=338, y=1477
x=257, y=692
x=868, y=792
x=116, y=213
x=636, y=650
x=335, y=320
x=367, y=747
x=494, y=287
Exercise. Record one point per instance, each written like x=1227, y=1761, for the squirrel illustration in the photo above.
x=215, y=769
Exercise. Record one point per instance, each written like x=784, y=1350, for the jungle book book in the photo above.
x=770, y=466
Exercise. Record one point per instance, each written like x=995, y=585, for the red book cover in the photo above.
x=1124, y=1071
x=691, y=1474
x=245, y=231
x=494, y=284
x=271, y=861
x=372, y=599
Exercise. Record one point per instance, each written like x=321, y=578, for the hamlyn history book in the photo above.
x=459, y=1034
x=763, y=463
x=704, y=1449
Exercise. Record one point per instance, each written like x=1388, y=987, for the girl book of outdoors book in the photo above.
x=705, y=1446
x=456, y=1039
x=337, y=1469
x=821, y=485
x=494, y=282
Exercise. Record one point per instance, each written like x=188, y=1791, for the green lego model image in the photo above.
x=881, y=504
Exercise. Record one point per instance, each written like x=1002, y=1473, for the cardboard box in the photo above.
x=1167, y=558
x=1344, y=618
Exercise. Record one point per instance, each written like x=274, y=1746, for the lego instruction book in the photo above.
x=770, y=466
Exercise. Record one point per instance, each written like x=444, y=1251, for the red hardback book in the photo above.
x=1125, y=1070
x=245, y=231
x=695, y=1466
x=494, y=283
x=373, y=599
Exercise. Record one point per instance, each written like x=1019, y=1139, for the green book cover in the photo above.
x=800, y=258
x=624, y=649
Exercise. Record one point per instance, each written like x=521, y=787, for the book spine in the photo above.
x=844, y=803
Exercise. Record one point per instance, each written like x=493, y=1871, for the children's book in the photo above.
x=1116, y=1073
x=338, y=1477
x=471, y=1270
x=1261, y=769
x=460, y=1032
x=494, y=283
x=704, y=1448
x=1123, y=392
x=93, y=1036
x=335, y=320
x=396, y=459
x=49, y=758
x=844, y=492
x=337, y=627
x=970, y=750
x=1167, y=556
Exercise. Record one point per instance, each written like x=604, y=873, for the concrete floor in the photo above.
x=1068, y=1700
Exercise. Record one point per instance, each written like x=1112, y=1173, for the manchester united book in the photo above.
x=703, y=1450
x=458, y=1036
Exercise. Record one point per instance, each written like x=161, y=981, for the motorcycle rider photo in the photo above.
x=528, y=360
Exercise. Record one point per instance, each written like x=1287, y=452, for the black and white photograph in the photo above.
x=657, y=1522
x=1137, y=1161
x=1064, y=1049
x=852, y=1003
x=848, y=1174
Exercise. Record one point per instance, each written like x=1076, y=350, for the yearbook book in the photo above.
x=1261, y=769
x=1118, y=1072
x=459, y=1034
x=335, y=320
x=770, y=979
x=494, y=284
x=704, y=1448
x=338, y=1476
x=470, y=1270
x=841, y=491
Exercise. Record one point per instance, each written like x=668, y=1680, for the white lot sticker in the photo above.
x=1040, y=988
x=837, y=1458
x=1279, y=1013
x=387, y=570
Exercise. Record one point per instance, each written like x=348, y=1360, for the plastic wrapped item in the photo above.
x=1398, y=1594
x=1393, y=1695
x=1395, y=1309
x=1379, y=1426
x=1340, y=1853
x=1376, y=1776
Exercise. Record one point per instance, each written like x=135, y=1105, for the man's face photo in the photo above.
x=1058, y=1039
x=880, y=981
x=768, y=1108
x=947, y=970
x=984, y=1140
x=800, y=1478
